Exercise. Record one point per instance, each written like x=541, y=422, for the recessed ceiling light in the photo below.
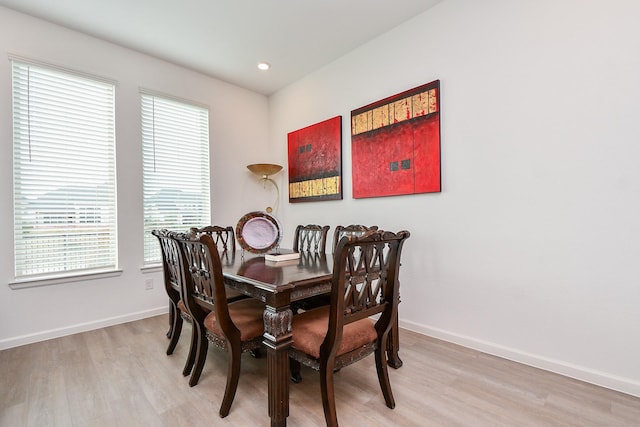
x=264, y=66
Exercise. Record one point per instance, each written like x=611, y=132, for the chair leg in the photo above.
x=175, y=329
x=294, y=367
x=193, y=350
x=233, y=375
x=328, y=396
x=201, y=354
x=172, y=318
x=383, y=375
x=393, y=345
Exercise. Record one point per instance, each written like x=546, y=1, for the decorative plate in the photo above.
x=259, y=232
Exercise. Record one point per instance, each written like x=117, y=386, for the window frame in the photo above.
x=160, y=149
x=28, y=178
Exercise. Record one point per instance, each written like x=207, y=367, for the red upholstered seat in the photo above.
x=246, y=315
x=309, y=330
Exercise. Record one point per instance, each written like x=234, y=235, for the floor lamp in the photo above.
x=264, y=171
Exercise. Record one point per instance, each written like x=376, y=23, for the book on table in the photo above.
x=284, y=263
x=281, y=255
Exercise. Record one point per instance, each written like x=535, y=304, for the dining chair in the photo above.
x=236, y=327
x=173, y=280
x=350, y=230
x=170, y=269
x=178, y=312
x=365, y=284
x=310, y=238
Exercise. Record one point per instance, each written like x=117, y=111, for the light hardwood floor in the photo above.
x=121, y=376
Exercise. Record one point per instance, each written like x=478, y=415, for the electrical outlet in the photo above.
x=148, y=284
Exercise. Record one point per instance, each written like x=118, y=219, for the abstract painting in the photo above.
x=395, y=144
x=315, y=162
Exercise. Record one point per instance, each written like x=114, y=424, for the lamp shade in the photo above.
x=264, y=169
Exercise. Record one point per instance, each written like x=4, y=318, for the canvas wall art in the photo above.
x=315, y=162
x=395, y=144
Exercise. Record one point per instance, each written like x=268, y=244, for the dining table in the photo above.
x=278, y=284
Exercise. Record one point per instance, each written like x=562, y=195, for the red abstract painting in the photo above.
x=395, y=144
x=315, y=162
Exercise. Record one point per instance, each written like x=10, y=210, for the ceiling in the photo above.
x=227, y=38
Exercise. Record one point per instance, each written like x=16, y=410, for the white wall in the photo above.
x=238, y=132
x=531, y=250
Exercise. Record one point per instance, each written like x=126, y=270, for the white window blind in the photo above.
x=175, y=142
x=64, y=173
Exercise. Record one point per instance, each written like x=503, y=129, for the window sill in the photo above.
x=151, y=268
x=47, y=281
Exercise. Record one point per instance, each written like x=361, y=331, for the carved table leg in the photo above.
x=277, y=339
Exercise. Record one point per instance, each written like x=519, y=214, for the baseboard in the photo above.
x=581, y=373
x=81, y=327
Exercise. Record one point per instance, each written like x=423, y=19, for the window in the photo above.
x=175, y=144
x=64, y=173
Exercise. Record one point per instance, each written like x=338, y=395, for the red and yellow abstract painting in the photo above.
x=395, y=144
x=315, y=162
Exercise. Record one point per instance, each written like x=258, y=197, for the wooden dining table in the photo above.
x=277, y=285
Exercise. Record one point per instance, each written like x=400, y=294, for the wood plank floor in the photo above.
x=120, y=376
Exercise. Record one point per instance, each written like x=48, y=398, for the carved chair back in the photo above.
x=223, y=237
x=310, y=238
x=170, y=262
x=365, y=280
x=350, y=230
x=204, y=289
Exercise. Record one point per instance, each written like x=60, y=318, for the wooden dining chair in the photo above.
x=365, y=284
x=236, y=327
x=310, y=238
x=178, y=312
x=172, y=283
x=350, y=230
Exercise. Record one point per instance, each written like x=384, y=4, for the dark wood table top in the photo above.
x=278, y=283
